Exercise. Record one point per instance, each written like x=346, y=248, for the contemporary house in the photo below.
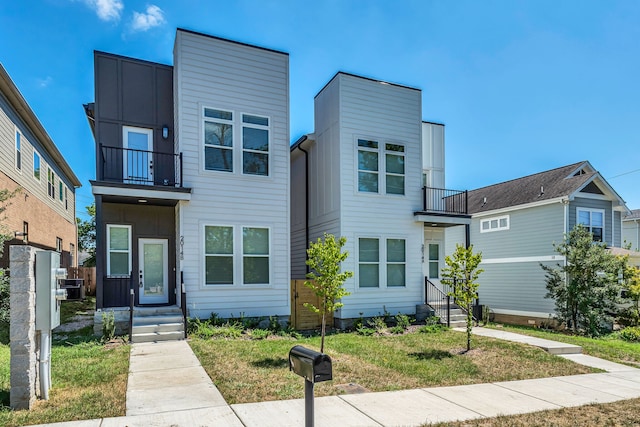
x=42, y=213
x=373, y=172
x=192, y=179
x=516, y=223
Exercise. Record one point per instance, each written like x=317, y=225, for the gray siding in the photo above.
x=631, y=234
x=617, y=229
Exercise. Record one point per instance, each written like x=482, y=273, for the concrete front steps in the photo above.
x=152, y=324
x=458, y=317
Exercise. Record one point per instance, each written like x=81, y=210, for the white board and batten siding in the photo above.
x=433, y=154
x=351, y=108
x=631, y=233
x=224, y=75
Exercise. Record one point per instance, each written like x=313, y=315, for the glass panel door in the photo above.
x=137, y=160
x=153, y=286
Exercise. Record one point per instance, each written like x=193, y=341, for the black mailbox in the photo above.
x=313, y=366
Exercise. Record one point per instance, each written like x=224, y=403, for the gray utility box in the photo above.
x=313, y=366
x=48, y=292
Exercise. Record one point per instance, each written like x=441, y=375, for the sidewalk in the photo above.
x=168, y=387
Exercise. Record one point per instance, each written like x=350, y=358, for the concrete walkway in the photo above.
x=168, y=387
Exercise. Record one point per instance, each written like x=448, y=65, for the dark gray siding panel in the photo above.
x=138, y=97
x=107, y=87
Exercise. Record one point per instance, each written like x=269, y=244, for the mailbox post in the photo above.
x=314, y=367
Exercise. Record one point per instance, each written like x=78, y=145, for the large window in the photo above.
x=396, y=262
x=593, y=220
x=255, y=145
x=494, y=224
x=218, y=140
x=218, y=255
x=36, y=165
x=255, y=255
x=394, y=168
x=118, y=250
x=51, y=187
x=18, y=152
x=368, y=166
x=369, y=263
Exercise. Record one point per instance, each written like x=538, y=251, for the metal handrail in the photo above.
x=442, y=200
x=434, y=295
x=141, y=167
x=132, y=298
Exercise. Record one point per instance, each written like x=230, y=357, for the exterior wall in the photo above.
x=433, y=154
x=230, y=76
x=388, y=114
x=591, y=203
x=631, y=233
x=47, y=217
x=298, y=215
x=617, y=229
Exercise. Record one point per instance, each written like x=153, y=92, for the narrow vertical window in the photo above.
x=36, y=165
x=368, y=166
x=369, y=263
x=58, y=244
x=118, y=250
x=72, y=254
x=396, y=262
x=434, y=260
x=255, y=145
x=25, y=231
x=60, y=191
x=394, y=168
x=66, y=199
x=51, y=179
x=218, y=140
x=18, y=152
x=255, y=255
x=218, y=255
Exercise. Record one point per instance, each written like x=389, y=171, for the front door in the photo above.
x=154, y=283
x=433, y=255
x=137, y=157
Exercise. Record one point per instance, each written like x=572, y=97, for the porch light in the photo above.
x=165, y=132
x=142, y=200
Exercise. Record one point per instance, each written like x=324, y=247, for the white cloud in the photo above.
x=42, y=83
x=144, y=21
x=107, y=10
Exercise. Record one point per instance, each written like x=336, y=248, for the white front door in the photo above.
x=137, y=162
x=154, y=284
x=433, y=259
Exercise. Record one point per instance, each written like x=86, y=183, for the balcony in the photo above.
x=138, y=167
x=441, y=201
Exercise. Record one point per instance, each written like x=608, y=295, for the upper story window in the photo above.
x=51, y=187
x=494, y=224
x=218, y=140
x=255, y=145
x=593, y=220
x=66, y=199
x=18, y=152
x=61, y=191
x=370, y=167
x=36, y=165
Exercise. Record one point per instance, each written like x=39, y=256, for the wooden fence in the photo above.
x=88, y=274
x=301, y=317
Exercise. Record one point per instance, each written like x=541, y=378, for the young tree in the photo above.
x=326, y=279
x=462, y=273
x=632, y=283
x=5, y=311
x=585, y=289
x=87, y=235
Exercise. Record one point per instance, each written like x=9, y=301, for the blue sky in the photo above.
x=522, y=86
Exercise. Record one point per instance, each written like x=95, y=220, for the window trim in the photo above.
x=267, y=127
x=204, y=255
x=402, y=154
x=268, y=256
x=358, y=170
x=51, y=185
x=232, y=147
x=378, y=263
x=18, y=151
x=590, y=211
x=108, y=249
x=498, y=227
x=382, y=172
x=387, y=262
x=39, y=176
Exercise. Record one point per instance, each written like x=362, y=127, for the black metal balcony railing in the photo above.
x=445, y=201
x=130, y=166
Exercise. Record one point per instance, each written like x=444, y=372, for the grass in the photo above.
x=69, y=309
x=251, y=371
x=88, y=379
x=623, y=413
x=608, y=347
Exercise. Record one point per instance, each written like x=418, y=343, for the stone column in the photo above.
x=24, y=363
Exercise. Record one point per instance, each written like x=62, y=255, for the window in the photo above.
x=218, y=140
x=36, y=165
x=58, y=244
x=255, y=255
x=394, y=168
x=51, y=179
x=66, y=199
x=72, y=254
x=60, y=192
x=396, y=260
x=218, y=255
x=25, y=231
x=18, y=152
x=369, y=263
x=367, y=166
x=593, y=220
x=494, y=224
x=434, y=260
x=118, y=250
x=255, y=145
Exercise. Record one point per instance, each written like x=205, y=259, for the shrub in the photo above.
x=631, y=334
x=367, y=332
x=397, y=330
x=108, y=325
x=377, y=323
x=403, y=321
x=5, y=311
x=259, y=334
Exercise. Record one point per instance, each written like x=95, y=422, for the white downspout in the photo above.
x=45, y=366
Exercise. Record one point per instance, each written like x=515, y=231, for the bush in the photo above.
x=259, y=334
x=403, y=321
x=5, y=311
x=108, y=325
x=432, y=324
x=367, y=332
x=378, y=324
x=631, y=334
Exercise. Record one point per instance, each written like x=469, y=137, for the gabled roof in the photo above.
x=547, y=186
x=19, y=104
x=635, y=214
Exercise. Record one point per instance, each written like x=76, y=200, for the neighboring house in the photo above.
x=192, y=178
x=42, y=214
x=631, y=229
x=373, y=172
x=516, y=223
